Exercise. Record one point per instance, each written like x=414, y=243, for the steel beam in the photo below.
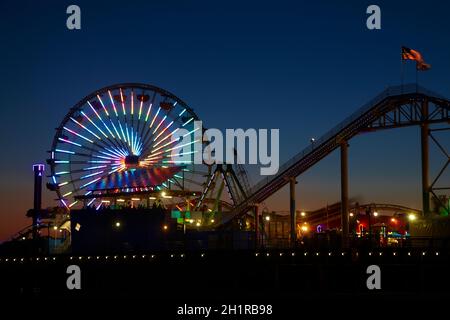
x=257, y=233
x=344, y=193
x=424, y=131
x=38, y=170
x=292, y=211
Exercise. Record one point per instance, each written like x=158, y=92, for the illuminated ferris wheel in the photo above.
x=119, y=140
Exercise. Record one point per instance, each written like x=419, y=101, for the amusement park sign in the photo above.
x=211, y=146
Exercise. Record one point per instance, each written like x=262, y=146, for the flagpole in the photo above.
x=402, y=71
x=417, y=80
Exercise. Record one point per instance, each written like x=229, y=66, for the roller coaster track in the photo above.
x=395, y=107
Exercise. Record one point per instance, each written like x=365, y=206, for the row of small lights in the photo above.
x=165, y=227
x=411, y=216
x=293, y=254
x=163, y=194
x=112, y=257
x=303, y=214
x=305, y=228
x=202, y=255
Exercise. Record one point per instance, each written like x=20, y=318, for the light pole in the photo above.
x=312, y=140
x=369, y=224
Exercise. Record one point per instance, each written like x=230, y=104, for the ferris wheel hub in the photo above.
x=132, y=161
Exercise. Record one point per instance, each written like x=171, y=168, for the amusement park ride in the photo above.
x=116, y=142
x=113, y=150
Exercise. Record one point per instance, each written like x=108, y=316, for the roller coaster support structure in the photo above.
x=344, y=193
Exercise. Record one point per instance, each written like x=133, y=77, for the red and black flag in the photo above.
x=410, y=54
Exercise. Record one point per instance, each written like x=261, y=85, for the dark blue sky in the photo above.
x=300, y=66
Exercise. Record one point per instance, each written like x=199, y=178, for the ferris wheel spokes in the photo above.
x=115, y=131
